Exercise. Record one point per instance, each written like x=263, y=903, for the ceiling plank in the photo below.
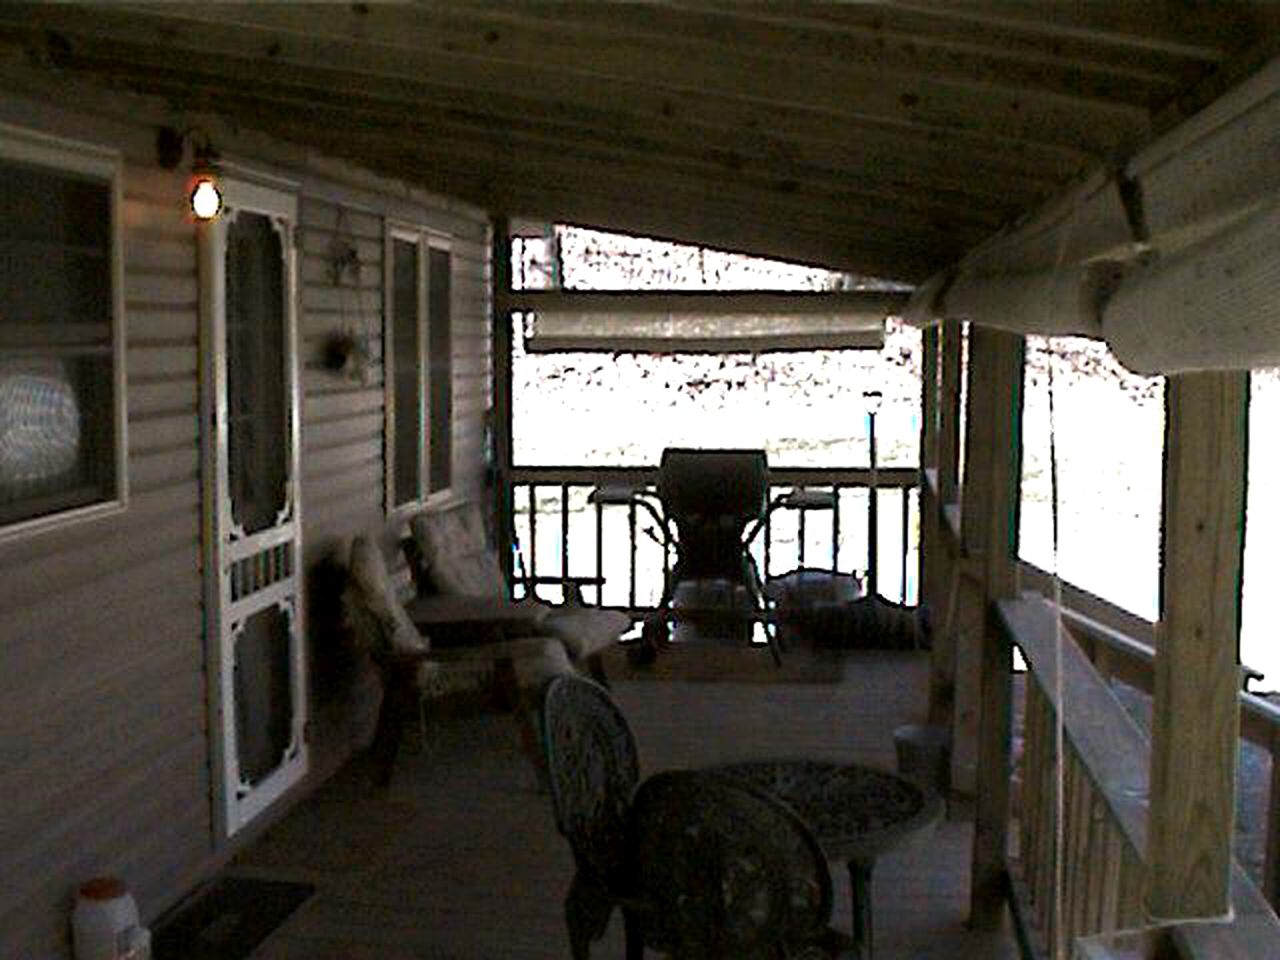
x=1203, y=32
x=660, y=210
x=789, y=134
x=938, y=33
x=899, y=206
x=654, y=79
x=727, y=28
x=488, y=167
x=939, y=173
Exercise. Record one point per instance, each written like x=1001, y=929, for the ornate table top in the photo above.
x=855, y=812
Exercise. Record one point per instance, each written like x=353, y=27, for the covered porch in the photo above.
x=1095, y=171
x=460, y=856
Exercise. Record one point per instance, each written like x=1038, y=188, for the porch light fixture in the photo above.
x=204, y=194
x=205, y=197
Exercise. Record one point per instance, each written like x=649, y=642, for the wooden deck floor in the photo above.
x=460, y=859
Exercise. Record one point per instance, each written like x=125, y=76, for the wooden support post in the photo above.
x=949, y=424
x=932, y=569
x=993, y=473
x=500, y=409
x=1196, y=714
x=944, y=564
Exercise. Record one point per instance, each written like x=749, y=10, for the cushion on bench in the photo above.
x=453, y=552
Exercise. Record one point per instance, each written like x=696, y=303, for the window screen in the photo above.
x=406, y=340
x=57, y=370
x=257, y=381
x=440, y=344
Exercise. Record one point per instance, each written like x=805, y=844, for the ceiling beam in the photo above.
x=901, y=208
x=894, y=174
x=936, y=34
x=660, y=212
x=1205, y=32
x=652, y=80
x=484, y=173
x=791, y=35
x=786, y=134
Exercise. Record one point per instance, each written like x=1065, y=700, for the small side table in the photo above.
x=855, y=812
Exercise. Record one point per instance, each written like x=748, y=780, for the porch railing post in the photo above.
x=1196, y=714
x=993, y=472
x=943, y=563
x=503, y=495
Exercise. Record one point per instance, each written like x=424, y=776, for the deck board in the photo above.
x=460, y=860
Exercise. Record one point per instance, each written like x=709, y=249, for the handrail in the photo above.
x=1096, y=722
x=1114, y=753
x=887, y=478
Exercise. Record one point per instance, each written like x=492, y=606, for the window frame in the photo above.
x=425, y=240
x=62, y=155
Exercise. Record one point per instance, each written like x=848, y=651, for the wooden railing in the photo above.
x=1122, y=646
x=1105, y=799
x=1105, y=790
x=560, y=532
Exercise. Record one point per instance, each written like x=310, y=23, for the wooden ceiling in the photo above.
x=880, y=137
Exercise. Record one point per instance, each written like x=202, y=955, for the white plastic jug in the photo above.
x=104, y=923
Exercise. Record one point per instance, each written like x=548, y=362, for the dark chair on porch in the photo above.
x=725, y=873
x=592, y=769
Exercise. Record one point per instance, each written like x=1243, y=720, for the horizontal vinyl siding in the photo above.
x=101, y=651
x=472, y=366
x=343, y=424
x=104, y=746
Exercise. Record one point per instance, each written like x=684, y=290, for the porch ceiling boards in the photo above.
x=885, y=138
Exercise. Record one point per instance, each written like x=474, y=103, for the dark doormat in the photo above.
x=228, y=920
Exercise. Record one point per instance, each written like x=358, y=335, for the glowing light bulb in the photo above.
x=206, y=199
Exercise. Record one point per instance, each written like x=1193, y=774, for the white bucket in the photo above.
x=104, y=923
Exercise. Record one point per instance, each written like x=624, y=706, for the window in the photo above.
x=419, y=368
x=61, y=341
x=440, y=349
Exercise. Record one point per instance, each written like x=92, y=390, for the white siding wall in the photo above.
x=103, y=742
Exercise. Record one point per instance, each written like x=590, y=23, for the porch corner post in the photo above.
x=504, y=507
x=945, y=562
x=989, y=518
x=1196, y=711
x=930, y=572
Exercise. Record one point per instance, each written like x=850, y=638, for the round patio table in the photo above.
x=855, y=812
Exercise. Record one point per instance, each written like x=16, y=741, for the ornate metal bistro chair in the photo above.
x=592, y=769
x=726, y=873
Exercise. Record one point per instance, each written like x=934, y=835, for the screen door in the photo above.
x=252, y=520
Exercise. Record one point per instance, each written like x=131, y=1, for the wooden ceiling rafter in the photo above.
x=480, y=176
x=885, y=181
x=654, y=81
x=795, y=38
x=883, y=137
x=883, y=206
x=77, y=37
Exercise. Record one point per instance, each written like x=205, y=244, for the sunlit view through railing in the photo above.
x=559, y=531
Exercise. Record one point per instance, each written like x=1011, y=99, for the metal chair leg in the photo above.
x=860, y=891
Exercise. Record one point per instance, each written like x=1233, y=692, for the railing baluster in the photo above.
x=564, y=535
x=631, y=523
x=836, y=489
x=533, y=539
x=768, y=542
x=800, y=530
x=906, y=523
x=599, y=554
